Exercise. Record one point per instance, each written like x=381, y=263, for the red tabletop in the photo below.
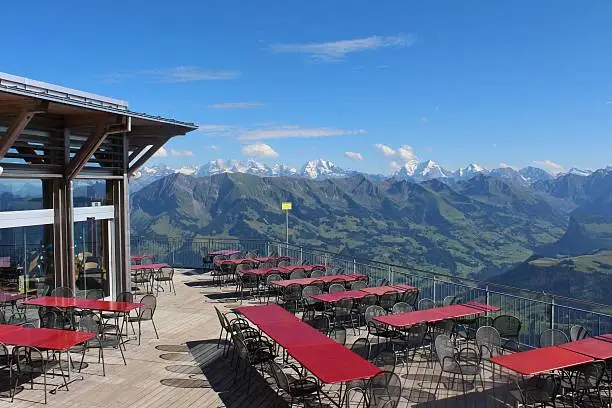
x=599, y=349
x=295, y=334
x=271, y=258
x=380, y=290
x=225, y=252
x=404, y=288
x=428, y=315
x=267, y=313
x=6, y=297
x=51, y=339
x=325, y=279
x=333, y=363
x=482, y=307
x=139, y=258
x=148, y=266
x=542, y=360
x=605, y=337
x=263, y=271
x=334, y=297
x=235, y=261
x=52, y=301
x=9, y=327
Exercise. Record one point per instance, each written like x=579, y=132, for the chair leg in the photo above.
x=139, y=331
x=154, y=328
x=438, y=384
x=104, y=365
x=122, y=355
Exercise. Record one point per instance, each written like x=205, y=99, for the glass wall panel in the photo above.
x=92, y=256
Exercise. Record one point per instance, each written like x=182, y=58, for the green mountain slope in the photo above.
x=482, y=226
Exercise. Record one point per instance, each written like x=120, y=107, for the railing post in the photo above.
x=488, y=295
x=301, y=255
x=354, y=265
x=598, y=324
x=389, y=277
x=173, y=250
x=267, y=248
x=280, y=253
x=552, y=312
x=434, y=289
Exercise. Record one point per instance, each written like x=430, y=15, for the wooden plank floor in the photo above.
x=184, y=368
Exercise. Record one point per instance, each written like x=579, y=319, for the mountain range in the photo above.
x=487, y=226
x=325, y=169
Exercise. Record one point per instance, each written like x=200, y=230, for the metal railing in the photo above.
x=537, y=311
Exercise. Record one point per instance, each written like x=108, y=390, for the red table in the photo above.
x=380, y=290
x=540, y=361
x=52, y=301
x=333, y=363
x=155, y=266
x=271, y=258
x=10, y=297
x=139, y=258
x=326, y=359
x=334, y=297
x=325, y=279
x=50, y=339
x=429, y=315
x=599, y=349
x=306, y=268
x=263, y=271
x=404, y=287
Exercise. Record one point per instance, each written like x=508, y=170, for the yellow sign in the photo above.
x=286, y=205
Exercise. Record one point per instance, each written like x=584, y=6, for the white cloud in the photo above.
x=336, y=50
x=259, y=150
x=185, y=73
x=395, y=166
x=236, y=105
x=216, y=130
x=353, y=155
x=506, y=166
x=287, y=132
x=162, y=152
x=406, y=153
x=181, y=153
x=549, y=165
x=386, y=150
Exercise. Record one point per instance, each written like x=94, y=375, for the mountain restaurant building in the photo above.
x=65, y=159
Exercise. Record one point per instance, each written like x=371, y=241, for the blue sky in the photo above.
x=491, y=82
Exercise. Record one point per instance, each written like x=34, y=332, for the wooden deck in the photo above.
x=184, y=368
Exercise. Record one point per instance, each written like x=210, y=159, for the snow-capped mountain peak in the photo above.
x=321, y=168
x=469, y=171
x=426, y=170
x=579, y=172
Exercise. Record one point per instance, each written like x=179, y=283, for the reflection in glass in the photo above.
x=91, y=252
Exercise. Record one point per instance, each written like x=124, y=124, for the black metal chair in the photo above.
x=338, y=334
x=310, y=304
x=509, y=328
x=341, y=314
x=30, y=363
x=410, y=297
x=586, y=381
x=537, y=391
x=336, y=287
x=552, y=337
x=271, y=289
x=297, y=274
x=578, y=332
x=426, y=304
x=101, y=341
x=62, y=292
x=387, y=300
x=449, y=300
x=384, y=390
x=464, y=362
x=297, y=386
x=489, y=343
x=144, y=314
x=321, y=323
x=291, y=297
x=166, y=276
x=377, y=329
x=401, y=307
x=356, y=285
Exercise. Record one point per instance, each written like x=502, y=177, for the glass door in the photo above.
x=93, y=242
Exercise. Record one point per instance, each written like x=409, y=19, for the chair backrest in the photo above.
x=426, y=304
x=356, y=285
x=125, y=297
x=336, y=287
x=444, y=349
x=401, y=307
x=415, y=335
x=361, y=346
x=367, y=301
x=305, y=262
x=446, y=326
x=343, y=307
x=320, y=322
x=318, y=283
x=297, y=274
x=94, y=294
x=16, y=319
x=150, y=303
x=590, y=375
x=410, y=297
x=483, y=321
x=384, y=390
x=373, y=311
x=316, y=273
x=250, y=254
x=166, y=272
x=89, y=325
x=2, y=317
x=552, y=337
x=237, y=255
x=578, y=332
x=449, y=300
x=338, y=334
x=50, y=320
x=310, y=290
x=386, y=360
x=283, y=262
x=62, y=291
x=488, y=340
x=292, y=292
x=507, y=326
x=274, y=277
x=282, y=381
x=221, y=318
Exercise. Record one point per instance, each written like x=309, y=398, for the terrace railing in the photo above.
x=536, y=310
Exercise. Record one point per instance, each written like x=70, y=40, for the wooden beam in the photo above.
x=146, y=156
x=134, y=154
x=91, y=145
x=38, y=159
x=18, y=125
